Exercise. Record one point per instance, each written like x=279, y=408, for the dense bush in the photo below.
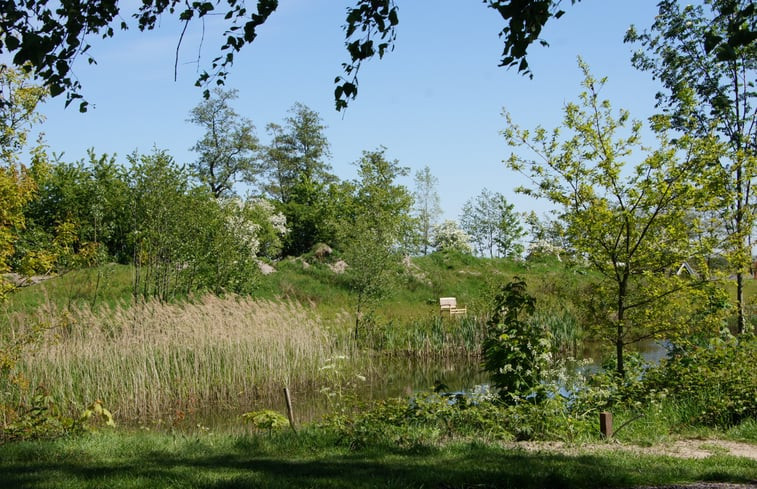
x=430, y=418
x=718, y=381
x=516, y=351
x=424, y=420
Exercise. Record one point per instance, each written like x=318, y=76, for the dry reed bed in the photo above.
x=150, y=359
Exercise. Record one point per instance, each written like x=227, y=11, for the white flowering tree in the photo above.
x=449, y=236
x=272, y=226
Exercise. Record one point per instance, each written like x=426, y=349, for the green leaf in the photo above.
x=711, y=41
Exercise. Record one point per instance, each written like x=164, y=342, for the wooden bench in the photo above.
x=449, y=304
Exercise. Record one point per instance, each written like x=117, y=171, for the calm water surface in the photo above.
x=389, y=377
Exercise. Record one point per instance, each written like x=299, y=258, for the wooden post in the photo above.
x=605, y=424
x=290, y=414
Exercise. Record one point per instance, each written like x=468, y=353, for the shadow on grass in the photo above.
x=459, y=467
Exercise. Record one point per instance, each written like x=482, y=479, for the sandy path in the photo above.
x=680, y=448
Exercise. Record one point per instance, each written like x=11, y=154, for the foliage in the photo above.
x=44, y=419
x=298, y=149
x=509, y=230
x=183, y=239
x=299, y=177
x=80, y=212
x=376, y=218
x=266, y=419
x=16, y=188
x=492, y=224
x=431, y=418
x=19, y=98
x=630, y=225
x=97, y=413
x=516, y=351
x=715, y=379
x=50, y=39
x=706, y=60
x=418, y=422
x=271, y=226
x=311, y=215
x=449, y=237
x=426, y=207
x=227, y=150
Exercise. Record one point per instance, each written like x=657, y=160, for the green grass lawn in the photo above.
x=150, y=460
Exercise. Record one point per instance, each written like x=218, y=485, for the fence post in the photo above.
x=605, y=424
x=290, y=414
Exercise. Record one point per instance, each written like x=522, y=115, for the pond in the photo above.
x=387, y=377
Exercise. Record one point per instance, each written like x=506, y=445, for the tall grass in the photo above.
x=154, y=358
x=429, y=336
x=562, y=322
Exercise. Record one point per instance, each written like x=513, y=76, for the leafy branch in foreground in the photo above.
x=48, y=39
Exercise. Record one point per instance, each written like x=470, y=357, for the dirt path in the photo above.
x=680, y=448
x=705, y=448
x=702, y=485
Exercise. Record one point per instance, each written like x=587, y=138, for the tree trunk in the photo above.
x=740, y=233
x=620, y=328
x=741, y=326
x=619, y=351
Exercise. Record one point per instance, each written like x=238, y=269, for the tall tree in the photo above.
x=630, y=225
x=709, y=82
x=492, y=224
x=299, y=176
x=299, y=150
x=426, y=207
x=227, y=150
x=509, y=229
x=50, y=37
x=375, y=221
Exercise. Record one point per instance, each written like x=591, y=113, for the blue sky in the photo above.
x=436, y=100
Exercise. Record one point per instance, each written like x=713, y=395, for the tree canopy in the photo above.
x=227, y=150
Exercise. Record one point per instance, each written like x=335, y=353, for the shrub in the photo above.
x=423, y=420
x=516, y=351
x=44, y=419
x=448, y=236
x=718, y=381
x=266, y=420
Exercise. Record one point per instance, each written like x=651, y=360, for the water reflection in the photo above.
x=383, y=377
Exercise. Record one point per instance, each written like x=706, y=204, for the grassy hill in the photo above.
x=416, y=290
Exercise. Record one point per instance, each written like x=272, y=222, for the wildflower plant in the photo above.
x=516, y=351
